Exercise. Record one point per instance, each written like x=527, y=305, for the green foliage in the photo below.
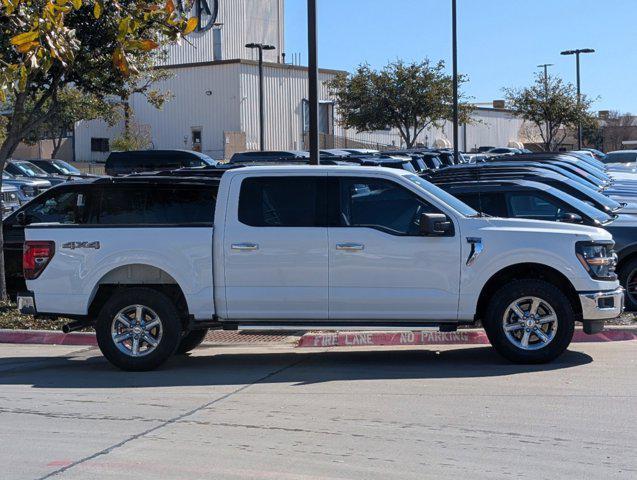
x=3, y=128
x=72, y=106
x=407, y=96
x=551, y=106
x=97, y=47
x=134, y=138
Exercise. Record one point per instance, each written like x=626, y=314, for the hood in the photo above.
x=519, y=225
x=35, y=182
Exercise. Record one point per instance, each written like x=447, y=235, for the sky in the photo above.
x=501, y=42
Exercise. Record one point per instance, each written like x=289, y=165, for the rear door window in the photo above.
x=283, y=202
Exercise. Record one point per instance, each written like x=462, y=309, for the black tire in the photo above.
x=190, y=341
x=628, y=274
x=170, y=324
x=546, y=292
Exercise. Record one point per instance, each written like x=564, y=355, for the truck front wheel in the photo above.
x=138, y=329
x=530, y=321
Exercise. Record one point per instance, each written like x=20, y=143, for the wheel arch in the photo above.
x=523, y=271
x=138, y=275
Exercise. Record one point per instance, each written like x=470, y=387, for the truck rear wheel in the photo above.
x=190, y=341
x=138, y=329
x=530, y=321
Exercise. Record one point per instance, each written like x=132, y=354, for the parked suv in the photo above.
x=125, y=163
x=28, y=188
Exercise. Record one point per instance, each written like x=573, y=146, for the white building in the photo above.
x=215, y=101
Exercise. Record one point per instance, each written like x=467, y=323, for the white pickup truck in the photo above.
x=152, y=262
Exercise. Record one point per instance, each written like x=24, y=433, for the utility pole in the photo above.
x=546, y=66
x=261, y=47
x=312, y=43
x=577, y=54
x=454, y=30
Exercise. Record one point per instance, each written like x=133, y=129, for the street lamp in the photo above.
x=454, y=34
x=312, y=73
x=579, y=90
x=261, y=47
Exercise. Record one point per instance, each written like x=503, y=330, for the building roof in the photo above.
x=255, y=63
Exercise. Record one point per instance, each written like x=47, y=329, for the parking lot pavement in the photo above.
x=281, y=413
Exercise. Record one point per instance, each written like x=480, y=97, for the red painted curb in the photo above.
x=461, y=337
x=331, y=339
x=39, y=337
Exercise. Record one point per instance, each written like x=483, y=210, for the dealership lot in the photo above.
x=276, y=412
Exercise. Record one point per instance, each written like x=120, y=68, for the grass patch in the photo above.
x=11, y=319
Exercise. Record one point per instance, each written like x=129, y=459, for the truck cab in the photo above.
x=305, y=247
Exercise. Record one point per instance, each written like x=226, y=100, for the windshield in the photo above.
x=584, y=207
x=30, y=170
x=443, y=196
x=66, y=168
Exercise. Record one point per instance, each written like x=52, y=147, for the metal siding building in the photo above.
x=216, y=99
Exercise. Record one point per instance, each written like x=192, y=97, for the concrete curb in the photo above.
x=42, y=337
x=332, y=339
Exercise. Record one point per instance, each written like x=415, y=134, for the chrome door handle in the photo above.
x=350, y=247
x=245, y=247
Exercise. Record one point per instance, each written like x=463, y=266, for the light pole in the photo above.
x=546, y=66
x=454, y=33
x=579, y=88
x=312, y=43
x=261, y=47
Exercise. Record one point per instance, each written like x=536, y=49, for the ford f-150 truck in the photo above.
x=153, y=262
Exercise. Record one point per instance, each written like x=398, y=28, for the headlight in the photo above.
x=28, y=190
x=598, y=258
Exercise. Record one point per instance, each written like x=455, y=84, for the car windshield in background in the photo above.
x=205, y=160
x=621, y=157
x=30, y=170
x=66, y=168
x=447, y=198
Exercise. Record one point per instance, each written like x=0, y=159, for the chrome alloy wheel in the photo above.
x=530, y=323
x=136, y=330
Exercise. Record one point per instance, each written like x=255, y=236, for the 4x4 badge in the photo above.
x=76, y=245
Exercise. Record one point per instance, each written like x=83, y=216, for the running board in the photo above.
x=397, y=327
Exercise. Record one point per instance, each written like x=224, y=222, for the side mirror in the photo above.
x=435, y=225
x=567, y=217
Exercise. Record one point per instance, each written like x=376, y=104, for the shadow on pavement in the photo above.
x=219, y=368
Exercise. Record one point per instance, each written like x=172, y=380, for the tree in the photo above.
x=408, y=97
x=71, y=107
x=3, y=127
x=617, y=128
x=134, y=137
x=93, y=46
x=551, y=107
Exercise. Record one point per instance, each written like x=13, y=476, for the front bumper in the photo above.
x=602, y=305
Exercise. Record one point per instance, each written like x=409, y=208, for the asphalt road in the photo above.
x=279, y=413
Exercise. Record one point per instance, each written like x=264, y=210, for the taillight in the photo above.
x=36, y=257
